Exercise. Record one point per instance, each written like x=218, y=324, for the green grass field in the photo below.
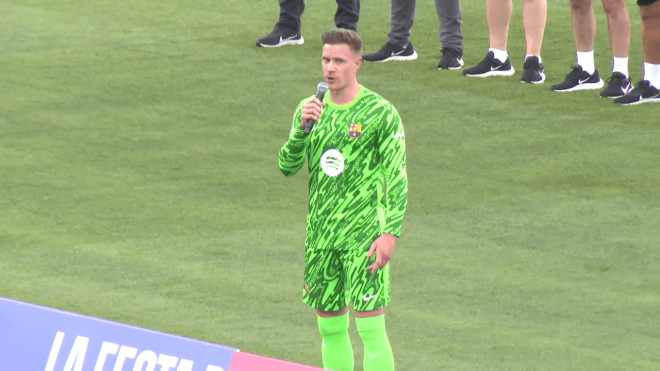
x=139, y=182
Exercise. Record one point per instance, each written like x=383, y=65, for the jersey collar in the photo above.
x=347, y=105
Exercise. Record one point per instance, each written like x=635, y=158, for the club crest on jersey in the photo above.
x=355, y=130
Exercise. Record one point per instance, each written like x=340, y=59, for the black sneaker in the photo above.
x=278, y=38
x=490, y=66
x=389, y=52
x=533, y=71
x=642, y=93
x=578, y=79
x=617, y=86
x=451, y=60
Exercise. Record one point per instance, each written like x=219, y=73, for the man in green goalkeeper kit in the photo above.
x=357, y=198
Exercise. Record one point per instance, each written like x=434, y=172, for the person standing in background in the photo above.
x=398, y=45
x=648, y=88
x=584, y=75
x=287, y=28
x=496, y=62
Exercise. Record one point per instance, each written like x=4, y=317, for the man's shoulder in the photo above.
x=371, y=96
x=374, y=99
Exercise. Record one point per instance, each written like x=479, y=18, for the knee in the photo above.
x=370, y=328
x=614, y=7
x=651, y=18
x=580, y=6
x=333, y=327
x=650, y=14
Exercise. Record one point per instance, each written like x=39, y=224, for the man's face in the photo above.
x=340, y=65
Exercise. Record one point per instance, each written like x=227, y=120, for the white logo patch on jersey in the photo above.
x=332, y=162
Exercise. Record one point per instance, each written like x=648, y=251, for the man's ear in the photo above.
x=358, y=63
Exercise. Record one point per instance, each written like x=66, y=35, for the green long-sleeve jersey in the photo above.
x=358, y=187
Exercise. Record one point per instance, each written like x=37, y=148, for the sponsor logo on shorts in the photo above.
x=367, y=297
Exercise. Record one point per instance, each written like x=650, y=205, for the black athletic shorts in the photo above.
x=645, y=2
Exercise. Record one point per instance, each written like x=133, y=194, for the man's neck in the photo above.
x=345, y=95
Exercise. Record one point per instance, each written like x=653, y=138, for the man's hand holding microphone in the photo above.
x=311, y=110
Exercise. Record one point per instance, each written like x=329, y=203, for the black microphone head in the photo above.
x=321, y=87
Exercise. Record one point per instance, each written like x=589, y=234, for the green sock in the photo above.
x=377, y=351
x=337, y=351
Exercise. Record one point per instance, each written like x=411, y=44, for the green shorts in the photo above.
x=333, y=278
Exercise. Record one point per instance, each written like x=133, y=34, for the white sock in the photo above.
x=652, y=74
x=620, y=65
x=586, y=61
x=500, y=55
x=528, y=55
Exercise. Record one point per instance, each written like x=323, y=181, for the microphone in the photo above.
x=320, y=92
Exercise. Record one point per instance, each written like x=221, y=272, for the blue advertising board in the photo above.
x=37, y=338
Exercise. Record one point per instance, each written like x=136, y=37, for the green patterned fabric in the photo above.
x=353, y=151
x=333, y=278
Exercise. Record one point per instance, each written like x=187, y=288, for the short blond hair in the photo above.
x=339, y=36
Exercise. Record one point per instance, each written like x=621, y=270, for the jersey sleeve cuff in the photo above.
x=396, y=232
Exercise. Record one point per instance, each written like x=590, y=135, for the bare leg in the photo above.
x=584, y=24
x=498, y=15
x=534, y=17
x=618, y=27
x=649, y=89
x=651, y=32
